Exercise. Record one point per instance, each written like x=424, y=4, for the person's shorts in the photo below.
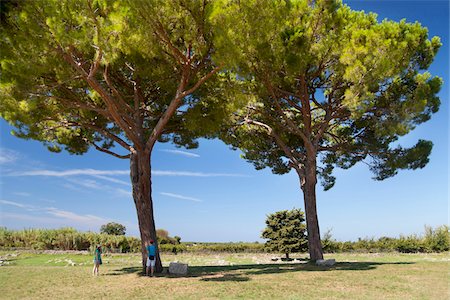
x=151, y=263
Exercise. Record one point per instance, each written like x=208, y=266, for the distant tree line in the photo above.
x=285, y=233
x=71, y=239
x=434, y=240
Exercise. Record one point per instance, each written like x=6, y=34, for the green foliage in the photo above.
x=113, y=228
x=239, y=247
x=175, y=249
x=285, y=232
x=434, y=240
x=66, y=239
x=164, y=238
x=108, y=73
x=77, y=74
x=329, y=245
x=410, y=244
x=437, y=240
x=323, y=77
x=70, y=239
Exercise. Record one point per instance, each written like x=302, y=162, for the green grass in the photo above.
x=229, y=276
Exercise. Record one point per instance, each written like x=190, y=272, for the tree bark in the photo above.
x=140, y=172
x=308, y=184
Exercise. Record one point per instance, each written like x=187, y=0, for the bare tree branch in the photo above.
x=96, y=64
x=289, y=153
x=306, y=108
x=120, y=100
x=164, y=37
x=201, y=81
x=100, y=130
x=291, y=124
x=110, y=152
x=175, y=103
x=108, y=99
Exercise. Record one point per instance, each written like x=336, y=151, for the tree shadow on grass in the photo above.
x=241, y=273
x=127, y=270
x=226, y=277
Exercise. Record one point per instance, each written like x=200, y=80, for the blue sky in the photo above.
x=211, y=194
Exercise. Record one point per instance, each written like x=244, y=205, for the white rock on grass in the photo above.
x=178, y=268
x=326, y=262
x=69, y=262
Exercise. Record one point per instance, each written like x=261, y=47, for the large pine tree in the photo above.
x=117, y=76
x=327, y=86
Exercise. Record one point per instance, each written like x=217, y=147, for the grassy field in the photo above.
x=26, y=275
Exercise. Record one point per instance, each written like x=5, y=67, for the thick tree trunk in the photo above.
x=308, y=184
x=140, y=172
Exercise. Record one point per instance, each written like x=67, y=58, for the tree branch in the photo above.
x=306, y=108
x=289, y=153
x=164, y=37
x=110, y=152
x=291, y=124
x=102, y=131
x=108, y=100
x=289, y=94
x=201, y=81
x=96, y=64
x=119, y=97
x=73, y=103
x=175, y=103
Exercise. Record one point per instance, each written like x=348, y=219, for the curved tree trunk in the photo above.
x=308, y=184
x=140, y=172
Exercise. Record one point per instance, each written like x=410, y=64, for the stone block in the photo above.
x=177, y=268
x=326, y=262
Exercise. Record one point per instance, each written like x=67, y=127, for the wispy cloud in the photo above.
x=29, y=218
x=85, y=223
x=22, y=194
x=12, y=203
x=67, y=217
x=74, y=172
x=8, y=156
x=100, y=174
x=195, y=174
x=112, y=180
x=19, y=205
x=71, y=216
x=87, y=183
x=180, y=197
x=185, y=153
x=122, y=192
x=71, y=187
x=77, y=177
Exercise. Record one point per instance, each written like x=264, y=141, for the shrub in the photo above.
x=437, y=240
x=434, y=240
x=113, y=229
x=329, y=245
x=175, y=249
x=225, y=247
x=285, y=232
x=409, y=244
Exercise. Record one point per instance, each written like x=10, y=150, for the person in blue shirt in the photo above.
x=151, y=259
x=97, y=259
